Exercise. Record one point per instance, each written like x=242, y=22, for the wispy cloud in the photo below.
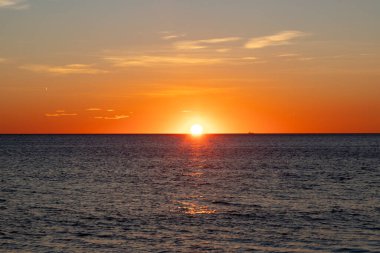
x=169, y=35
x=146, y=60
x=201, y=44
x=93, y=109
x=306, y=58
x=176, y=60
x=60, y=114
x=249, y=58
x=290, y=55
x=223, y=50
x=65, y=69
x=295, y=57
x=2, y=60
x=14, y=4
x=277, y=39
x=115, y=117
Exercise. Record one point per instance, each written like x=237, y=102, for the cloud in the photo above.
x=288, y=55
x=146, y=60
x=2, y=60
x=93, y=109
x=297, y=57
x=14, y=4
x=201, y=44
x=65, y=69
x=306, y=59
x=223, y=50
x=60, y=114
x=177, y=60
x=277, y=39
x=249, y=58
x=169, y=35
x=115, y=117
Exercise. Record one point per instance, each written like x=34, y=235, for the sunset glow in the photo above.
x=151, y=67
x=189, y=125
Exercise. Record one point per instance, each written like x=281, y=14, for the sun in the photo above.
x=196, y=130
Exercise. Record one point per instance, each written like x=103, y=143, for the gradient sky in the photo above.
x=159, y=66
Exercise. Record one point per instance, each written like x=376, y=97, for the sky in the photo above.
x=160, y=66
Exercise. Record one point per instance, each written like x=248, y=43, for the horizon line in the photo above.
x=252, y=133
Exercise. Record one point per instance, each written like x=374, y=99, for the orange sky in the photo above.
x=232, y=66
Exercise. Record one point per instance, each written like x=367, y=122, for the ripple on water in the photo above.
x=171, y=193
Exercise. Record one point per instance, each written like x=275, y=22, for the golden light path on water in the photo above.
x=193, y=208
x=197, y=147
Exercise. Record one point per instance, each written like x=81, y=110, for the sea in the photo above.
x=179, y=193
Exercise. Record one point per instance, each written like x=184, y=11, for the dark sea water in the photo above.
x=176, y=193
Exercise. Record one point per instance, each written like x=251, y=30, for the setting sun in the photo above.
x=210, y=125
x=196, y=130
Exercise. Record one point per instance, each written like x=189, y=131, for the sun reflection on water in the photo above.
x=192, y=208
x=193, y=202
x=194, y=174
